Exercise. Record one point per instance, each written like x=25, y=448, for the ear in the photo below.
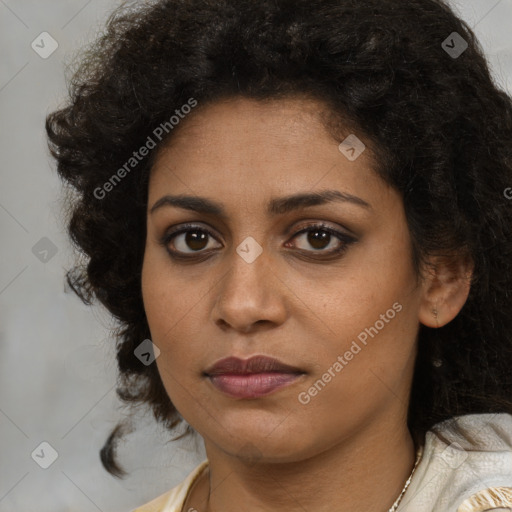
x=445, y=289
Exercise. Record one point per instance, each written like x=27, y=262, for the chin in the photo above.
x=263, y=444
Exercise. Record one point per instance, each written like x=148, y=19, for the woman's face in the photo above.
x=256, y=285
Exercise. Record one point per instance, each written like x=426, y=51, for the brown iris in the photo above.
x=196, y=239
x=317, y=238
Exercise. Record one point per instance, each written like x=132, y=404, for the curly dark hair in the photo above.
x=438, y=125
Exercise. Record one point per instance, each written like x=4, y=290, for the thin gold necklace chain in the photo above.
x=419, y=454
x=399, y=499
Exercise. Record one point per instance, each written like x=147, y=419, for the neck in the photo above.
x=363, y=473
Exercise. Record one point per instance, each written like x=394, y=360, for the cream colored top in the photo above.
x=466, y=471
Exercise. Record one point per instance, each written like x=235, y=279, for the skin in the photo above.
x=349, y=448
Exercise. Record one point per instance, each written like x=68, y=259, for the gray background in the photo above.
x=57, y=368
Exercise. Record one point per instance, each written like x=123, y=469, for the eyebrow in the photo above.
x=276, y=206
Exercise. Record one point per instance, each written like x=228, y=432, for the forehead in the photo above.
x=250, y=150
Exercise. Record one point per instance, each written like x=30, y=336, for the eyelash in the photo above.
x=345, y=240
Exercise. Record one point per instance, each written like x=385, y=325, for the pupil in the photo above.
x=194, y=240
x=317, y=239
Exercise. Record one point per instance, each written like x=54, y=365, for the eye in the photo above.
x=189, y=239
x=323, y=239
x=187, y=236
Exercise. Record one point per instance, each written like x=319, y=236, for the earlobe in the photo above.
x=445, y=291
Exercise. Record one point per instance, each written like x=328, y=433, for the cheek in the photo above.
x=356, y=299
x=156, y=296
x=371, y=317
x=166, y=299
x=175, y=312
x=166, y=312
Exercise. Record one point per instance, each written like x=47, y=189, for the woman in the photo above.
x=298, y=212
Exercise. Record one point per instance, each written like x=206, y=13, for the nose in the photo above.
x=249, y=296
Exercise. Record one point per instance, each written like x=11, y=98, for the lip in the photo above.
x=253, y=377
